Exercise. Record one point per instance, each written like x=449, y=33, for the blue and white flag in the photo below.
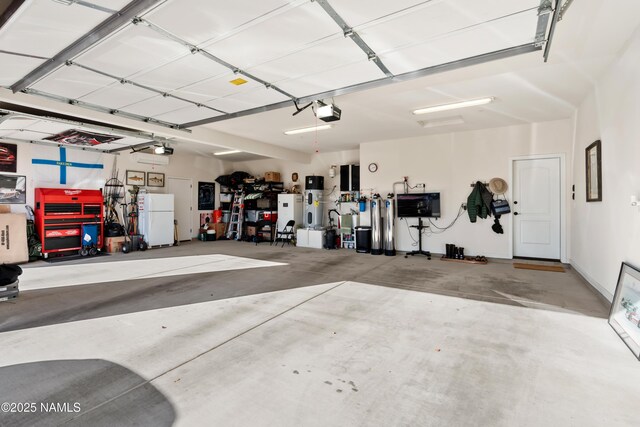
x=59, y=167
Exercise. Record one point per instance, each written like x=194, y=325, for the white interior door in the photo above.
x=182, y=190
x=536, y=208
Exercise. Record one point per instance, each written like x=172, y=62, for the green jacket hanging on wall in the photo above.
x=479, y=202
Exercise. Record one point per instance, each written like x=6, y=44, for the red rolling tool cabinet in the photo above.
x=60, y=214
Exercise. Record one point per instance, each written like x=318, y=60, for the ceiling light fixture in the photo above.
x=224, y=153
x=309, y=129
x=455, y=105
x=159, y=149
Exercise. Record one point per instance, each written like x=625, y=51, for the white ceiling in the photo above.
x=526, y=89
x=298, y=47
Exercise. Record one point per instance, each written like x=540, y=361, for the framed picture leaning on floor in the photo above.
x=624, y=317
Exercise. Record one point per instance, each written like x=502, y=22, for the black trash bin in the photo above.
x=363, y=240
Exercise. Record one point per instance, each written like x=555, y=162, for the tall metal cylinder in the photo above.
x=376, y=225
x=313, y=216
x=389, y=225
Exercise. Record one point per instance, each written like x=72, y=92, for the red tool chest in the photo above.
x=60, y=214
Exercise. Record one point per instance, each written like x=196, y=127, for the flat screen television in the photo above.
x=419, y=205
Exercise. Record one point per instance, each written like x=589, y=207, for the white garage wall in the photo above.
x=449, y=163
x=181, y=165
x=608, y=232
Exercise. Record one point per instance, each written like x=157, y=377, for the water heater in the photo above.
x=314, y=187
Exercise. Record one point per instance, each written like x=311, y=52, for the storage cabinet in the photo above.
x=307, y=238
x=350, y=178
x=61, y=213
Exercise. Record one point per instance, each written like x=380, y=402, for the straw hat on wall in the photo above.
x=498, y=186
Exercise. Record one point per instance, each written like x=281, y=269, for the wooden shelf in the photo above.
x=467, y=260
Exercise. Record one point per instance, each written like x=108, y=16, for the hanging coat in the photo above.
x=479, y=202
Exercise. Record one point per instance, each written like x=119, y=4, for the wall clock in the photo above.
x=373, y=167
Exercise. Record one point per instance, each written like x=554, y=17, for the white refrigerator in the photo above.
x=155, y=217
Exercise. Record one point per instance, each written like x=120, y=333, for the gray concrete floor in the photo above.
x=317, y=338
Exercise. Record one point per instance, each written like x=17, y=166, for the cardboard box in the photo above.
x=251, y=230
x=272, y=176
x=13, y=239
x=113, y=244
x=220, y=228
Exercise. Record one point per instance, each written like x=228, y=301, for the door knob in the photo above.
x=515, y=203
x=516, y=213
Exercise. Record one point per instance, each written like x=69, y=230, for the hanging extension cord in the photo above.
x=443, y=229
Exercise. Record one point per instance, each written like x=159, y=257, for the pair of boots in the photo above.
x=454, y=252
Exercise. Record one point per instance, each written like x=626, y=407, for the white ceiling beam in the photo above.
x=198, y=135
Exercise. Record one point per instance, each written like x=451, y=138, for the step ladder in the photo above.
x=234, y=230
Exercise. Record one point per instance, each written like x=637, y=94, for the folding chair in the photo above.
x=286, y=233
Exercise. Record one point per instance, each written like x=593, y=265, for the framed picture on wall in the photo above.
x=206, y=195
x=624, y=317
x=155, y=179
x=135, y=178
x=593, y=154
x=13, y=189
x=8, y=157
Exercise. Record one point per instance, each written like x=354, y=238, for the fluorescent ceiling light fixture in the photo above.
x=455, y=105
x=224, y=153
x=309, y=129
x=445, y=121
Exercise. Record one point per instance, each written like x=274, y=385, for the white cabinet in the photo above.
x=306, y=238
